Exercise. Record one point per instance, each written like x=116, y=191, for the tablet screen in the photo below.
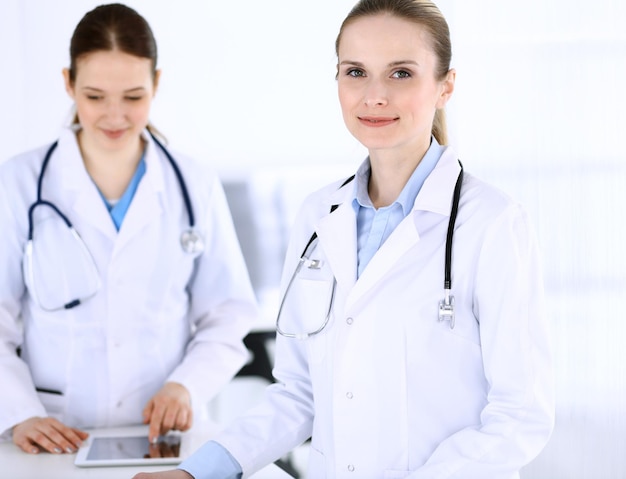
x=129, y=449
x=133, y=447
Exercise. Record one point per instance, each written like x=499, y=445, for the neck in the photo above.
x=111, y=171
x=390, y=173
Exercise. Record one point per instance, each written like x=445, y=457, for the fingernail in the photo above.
x=34, y=450
x=154, y=440
x=69, y=450
x=58, y=450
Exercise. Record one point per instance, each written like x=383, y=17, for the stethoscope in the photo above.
x=446, y=305
x=191, y=240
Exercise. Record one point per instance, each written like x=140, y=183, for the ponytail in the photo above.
x=440, y=130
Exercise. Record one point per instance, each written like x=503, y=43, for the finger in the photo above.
x=46, y=441
x=81, y=434
x=35, y=432
x=27, y=446
x=66, y=438
x=156, y=420
x=75, y=438
x=27, y=434
x=170, y=418
x=147, y=412
x=183, y=420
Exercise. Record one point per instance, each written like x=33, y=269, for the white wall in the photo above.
x=539, y=110
x=243, y=82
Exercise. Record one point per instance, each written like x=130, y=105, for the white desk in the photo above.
x=16, y=464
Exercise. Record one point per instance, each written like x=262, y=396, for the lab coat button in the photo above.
x=350, y=468
x=349, y=320
x=349, y=395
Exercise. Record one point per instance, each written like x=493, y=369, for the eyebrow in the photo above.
x=391, y=65
x=130, y=90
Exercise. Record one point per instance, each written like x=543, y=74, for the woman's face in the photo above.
x=113, y=93
x=387, y=85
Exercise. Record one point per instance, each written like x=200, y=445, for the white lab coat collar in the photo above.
x=437, y=191
x=67, y=169
x=337, y=230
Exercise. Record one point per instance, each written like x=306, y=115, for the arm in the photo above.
x=284, y=418
x=211, y=461
x=509, y=305
x=22, y=403
x=21, y=411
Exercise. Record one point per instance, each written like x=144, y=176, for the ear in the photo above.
x=157, y=78
x=447, y=88
x=69, y=88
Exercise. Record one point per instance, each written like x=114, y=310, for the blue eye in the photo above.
x=401, y=74
x=355, y=72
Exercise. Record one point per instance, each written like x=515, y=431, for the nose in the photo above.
x=114, y=110
x=375, y=94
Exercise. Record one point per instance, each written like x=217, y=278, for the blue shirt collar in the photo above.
x=120, y=208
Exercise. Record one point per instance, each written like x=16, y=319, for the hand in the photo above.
x=48, y=434
x=174, y=474
x=170, y=408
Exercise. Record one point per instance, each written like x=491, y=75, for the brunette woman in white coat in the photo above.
x=390, y=375
x=142, y=319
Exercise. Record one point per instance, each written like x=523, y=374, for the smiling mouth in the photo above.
x=376, y=121
x=114, y=133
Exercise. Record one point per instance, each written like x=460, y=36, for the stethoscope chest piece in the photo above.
x=446, y=309
x=191, y=242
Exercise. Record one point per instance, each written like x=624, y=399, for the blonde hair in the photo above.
x=428, y=16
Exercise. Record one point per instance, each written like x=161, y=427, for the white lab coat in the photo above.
x=388, y=391
x=161, y=314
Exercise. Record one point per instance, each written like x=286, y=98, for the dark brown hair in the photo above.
x=427, y=15
x=112, y=27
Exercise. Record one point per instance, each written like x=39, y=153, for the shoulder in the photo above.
x=198, y=176
x=23, y=167
x=482, y=197
x=490, y=210
x=331, y=194
x=194, y=168
x=319, y=202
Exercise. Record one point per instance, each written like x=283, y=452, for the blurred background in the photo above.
x=539, y=110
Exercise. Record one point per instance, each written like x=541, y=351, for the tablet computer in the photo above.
x=129, y=448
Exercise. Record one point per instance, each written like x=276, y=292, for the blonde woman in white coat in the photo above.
x=163, y=333
x=388, y=388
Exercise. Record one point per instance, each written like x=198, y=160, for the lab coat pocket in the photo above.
x=53, y=402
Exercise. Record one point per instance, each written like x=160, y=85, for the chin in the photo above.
x=377, y=144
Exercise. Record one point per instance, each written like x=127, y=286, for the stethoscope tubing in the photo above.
x=456, y=196
x=448, y=300
x=41, y=202
x=181, y=181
